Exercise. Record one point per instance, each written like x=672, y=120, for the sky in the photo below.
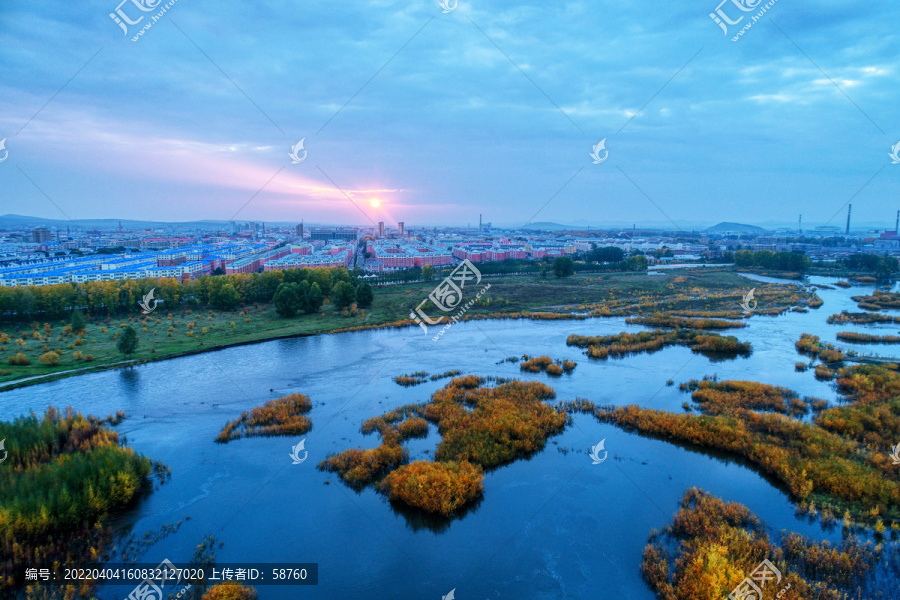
x=489, y=108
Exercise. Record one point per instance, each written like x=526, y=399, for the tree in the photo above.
x=314, y=298
x=886, y=266
x=428, y=272
x=563, y=266
x=287, y=300
x=344, y=294
x=218, y=271
x=638, y=262
x=607, y=254
x=128, y=341
x=78, y=323
x=743, y=258
x=225, y=297
x=365, y=295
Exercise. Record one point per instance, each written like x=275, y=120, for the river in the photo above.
x=555, y=526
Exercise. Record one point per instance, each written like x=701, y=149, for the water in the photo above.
x=554, y=526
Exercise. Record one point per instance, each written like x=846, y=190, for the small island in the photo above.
x=282, y=416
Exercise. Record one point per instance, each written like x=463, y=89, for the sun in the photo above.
x=375, y=202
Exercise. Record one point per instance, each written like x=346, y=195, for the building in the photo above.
x=381, y=229
x=400, y=228
x=349, y=235
x=300, y=230
x=41, y=234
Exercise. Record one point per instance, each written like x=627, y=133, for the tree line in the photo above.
x=300, y=290
x=780, y=261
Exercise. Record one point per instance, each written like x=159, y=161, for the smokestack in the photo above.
x=800, y=226
x=849, y=208
x=897, y=224
x=480, y=228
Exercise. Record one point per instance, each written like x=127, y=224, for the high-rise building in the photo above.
x=300, y=229
x=381, y=229
x=41, y=234
x=400, y=228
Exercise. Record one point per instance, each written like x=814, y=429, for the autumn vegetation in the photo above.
x=812, y=346
x=721, y=397
x=673, y=322
x=435, y=487
x=838, y=462
x=283, y=416
x=623, y=344
x=712, y=545
x=537, y=364
x=230, y=590
x=865, y=338
x=863, y=318
x=878, y=300
x=480, y=427
x=66, y=476
x=411, y=379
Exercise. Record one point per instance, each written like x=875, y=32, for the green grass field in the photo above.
x=168, y=334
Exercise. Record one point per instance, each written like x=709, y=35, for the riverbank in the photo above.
x=164, y=335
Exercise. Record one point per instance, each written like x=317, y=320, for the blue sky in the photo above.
x=492, y=108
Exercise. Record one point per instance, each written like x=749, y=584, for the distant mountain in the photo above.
x=735, y=228
x=547, y=226
x=25, y=222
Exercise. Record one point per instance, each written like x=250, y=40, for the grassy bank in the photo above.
x=164, y=334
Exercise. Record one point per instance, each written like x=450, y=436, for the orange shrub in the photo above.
x=435, y=487
x=282, y=416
